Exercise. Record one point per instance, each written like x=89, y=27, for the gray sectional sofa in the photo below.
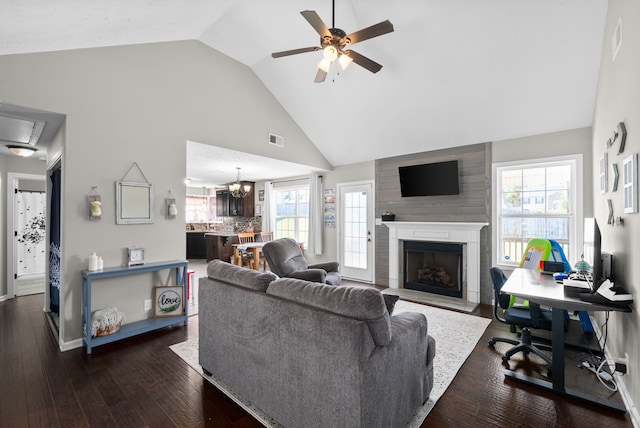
x=310, y=354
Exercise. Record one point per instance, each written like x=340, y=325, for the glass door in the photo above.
x=356, y=231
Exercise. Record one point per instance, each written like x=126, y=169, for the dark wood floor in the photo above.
x=139, y=382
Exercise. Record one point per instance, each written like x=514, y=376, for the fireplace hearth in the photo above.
x=467, y=234
x=434, y=267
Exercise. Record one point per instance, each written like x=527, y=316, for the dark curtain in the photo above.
x=54, y=241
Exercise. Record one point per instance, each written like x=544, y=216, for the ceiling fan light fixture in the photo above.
x=22, y=151
x=330, y=53
x=345, y=60
x=324, y=65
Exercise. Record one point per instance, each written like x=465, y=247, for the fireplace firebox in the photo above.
x=434, y=267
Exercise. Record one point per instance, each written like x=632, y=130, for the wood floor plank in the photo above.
x=140, y=382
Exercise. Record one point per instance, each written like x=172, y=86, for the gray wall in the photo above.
x=570, y=142
x=362, y=171
x=618, y=99
x=140, y=103
x=472, y=205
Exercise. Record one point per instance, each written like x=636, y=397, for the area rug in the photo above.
x=456, y=335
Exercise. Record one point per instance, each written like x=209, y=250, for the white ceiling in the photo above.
x=209, y=166
x=455, y=72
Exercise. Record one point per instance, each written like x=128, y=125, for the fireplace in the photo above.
x=465, y=234
x=434, y=267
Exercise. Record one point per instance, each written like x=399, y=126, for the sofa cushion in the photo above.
x=358, y=302
x=236, y=275
x=390, y=302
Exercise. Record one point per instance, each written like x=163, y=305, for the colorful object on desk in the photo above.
x=540, y=250
x=559, y=276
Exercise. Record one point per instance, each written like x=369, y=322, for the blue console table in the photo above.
x=138, y=327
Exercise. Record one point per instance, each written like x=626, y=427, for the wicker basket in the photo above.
x=108, y=330
x=106, y=321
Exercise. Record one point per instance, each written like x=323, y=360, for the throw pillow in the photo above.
x=390, y=302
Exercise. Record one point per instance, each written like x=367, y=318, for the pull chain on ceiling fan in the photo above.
x=333, y=42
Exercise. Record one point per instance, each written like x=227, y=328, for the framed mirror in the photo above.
x=134, y=203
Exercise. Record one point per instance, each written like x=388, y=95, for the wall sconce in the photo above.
x=95, y=204
x=172, y=208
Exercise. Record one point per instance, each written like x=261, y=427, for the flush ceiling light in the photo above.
x=23, y=151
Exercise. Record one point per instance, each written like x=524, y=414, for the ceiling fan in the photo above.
x=333, y=42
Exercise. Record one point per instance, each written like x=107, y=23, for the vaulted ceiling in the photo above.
x=455, y=72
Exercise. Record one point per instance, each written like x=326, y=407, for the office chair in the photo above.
x=526, y=317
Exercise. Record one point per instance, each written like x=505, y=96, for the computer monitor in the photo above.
x=592, y=251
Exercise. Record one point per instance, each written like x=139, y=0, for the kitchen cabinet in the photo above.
x=196, y=245
x=228, y=206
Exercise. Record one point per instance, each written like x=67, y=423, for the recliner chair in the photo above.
x=286, y=260
x=530, y=316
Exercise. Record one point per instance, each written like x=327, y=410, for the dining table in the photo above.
x=255, y=248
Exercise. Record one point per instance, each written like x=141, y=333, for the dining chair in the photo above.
x=246, y=257
x=265, y=237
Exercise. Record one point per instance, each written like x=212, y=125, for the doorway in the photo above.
x=26, y=210
x=355, y=234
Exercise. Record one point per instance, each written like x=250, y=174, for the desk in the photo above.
x=532, y=285
x=254, y=247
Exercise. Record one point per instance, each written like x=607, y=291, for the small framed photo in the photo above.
x=603, y=173
x=169, y=301
x=630, y=183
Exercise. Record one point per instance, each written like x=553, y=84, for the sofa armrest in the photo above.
x=399, y=374
x=314, y=275
x=328, y=266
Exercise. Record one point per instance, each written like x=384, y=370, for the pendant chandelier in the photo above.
x=237, y=189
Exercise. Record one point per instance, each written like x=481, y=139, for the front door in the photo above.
x=356, y=242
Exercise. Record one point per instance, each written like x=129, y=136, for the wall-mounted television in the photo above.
x=431, y=179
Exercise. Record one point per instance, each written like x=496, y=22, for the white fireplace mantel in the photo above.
x=458, y=232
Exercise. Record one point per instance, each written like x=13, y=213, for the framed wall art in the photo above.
x=630, y=183
x=603, y=173
x=168, y=301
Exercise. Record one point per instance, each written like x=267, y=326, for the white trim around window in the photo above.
x=576, y=213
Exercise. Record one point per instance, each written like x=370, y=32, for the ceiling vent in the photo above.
x=20, y=130
x=276, y=140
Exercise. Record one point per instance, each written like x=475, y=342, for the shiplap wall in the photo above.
x=473, y=204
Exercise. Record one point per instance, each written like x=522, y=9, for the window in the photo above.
x=537, y=199
x=200, y=208
x=292, y=213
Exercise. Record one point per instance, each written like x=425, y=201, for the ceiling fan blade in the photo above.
x=295, y=51
x=320, y=76
x=363, y=61
x=316, y=22
x=376, y=30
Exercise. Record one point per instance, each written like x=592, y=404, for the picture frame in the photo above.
x=630, y=183
x=168, y=301
x=603, y=173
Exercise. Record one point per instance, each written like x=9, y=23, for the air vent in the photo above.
x=19, y=130
x=276, y=140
